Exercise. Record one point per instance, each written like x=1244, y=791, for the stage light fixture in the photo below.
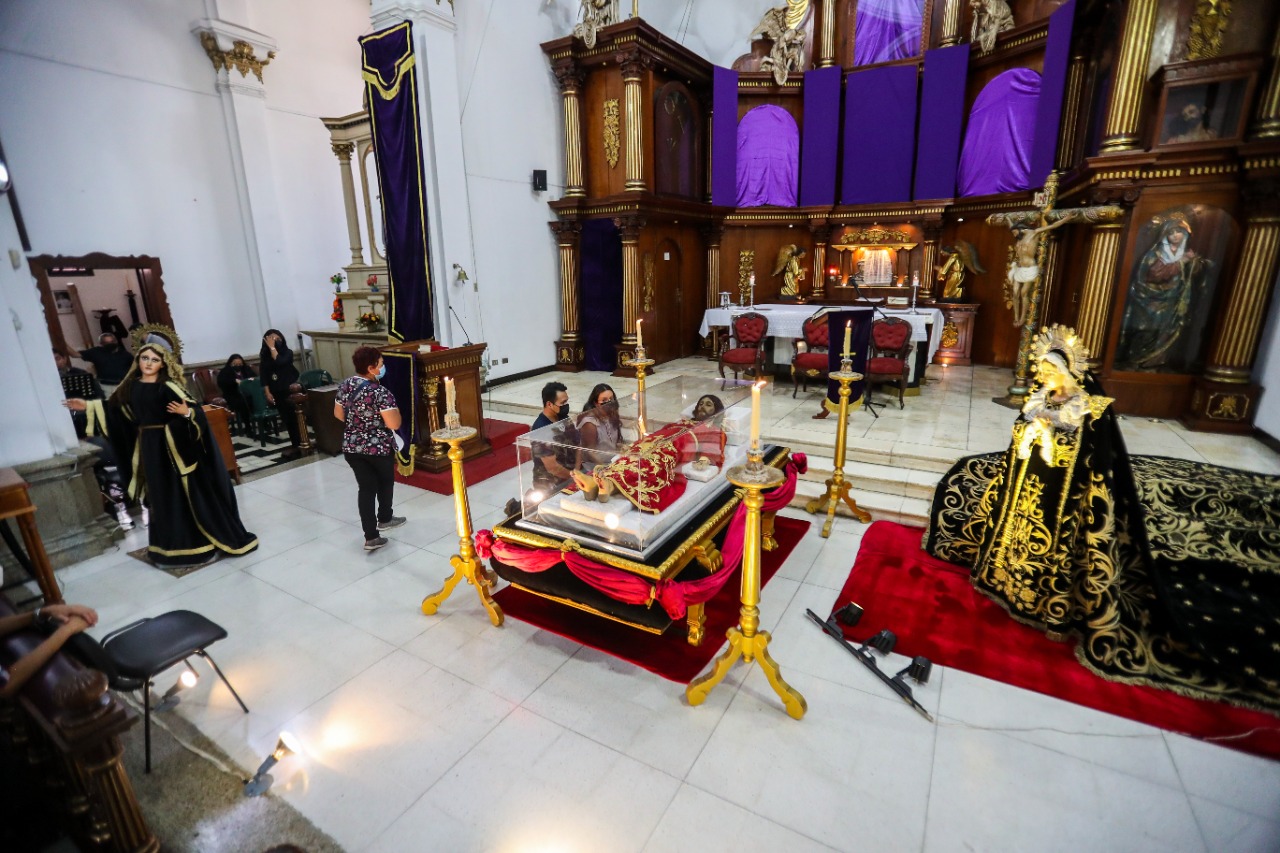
x=850, y=614
x=261, y=782
x=884, y=641
x=170, y=699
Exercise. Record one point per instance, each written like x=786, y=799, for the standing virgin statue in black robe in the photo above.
x=1167, y=571
x=176, y=470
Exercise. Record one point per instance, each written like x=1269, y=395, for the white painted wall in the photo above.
x=1266, y=370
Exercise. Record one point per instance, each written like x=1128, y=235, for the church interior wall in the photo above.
x=1266, y=371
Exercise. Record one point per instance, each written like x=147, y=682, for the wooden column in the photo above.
x=1050, y=275
x=929, y=262
x=821, y=237
x=570, y=79
x=343, y=151
x=634, y=65
x=951, y=23
x=1099, y=285
x=1266, y=124
x=1068, y=138
x=827, y=40
x=1120, y=130
x=569, y=348
x=630, y=227
x=712, y=235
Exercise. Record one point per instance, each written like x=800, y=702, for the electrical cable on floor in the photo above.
x=133, y=701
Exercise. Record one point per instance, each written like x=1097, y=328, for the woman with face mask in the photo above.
x=599, y=427
x=229, y=379
x=275, y=359
x=370, y=417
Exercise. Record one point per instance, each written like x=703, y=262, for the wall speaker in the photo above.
x=539, y=180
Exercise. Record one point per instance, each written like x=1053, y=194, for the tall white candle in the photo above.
x=848, y=332
x=639, y=334
x=755, y=414
x=450, y=398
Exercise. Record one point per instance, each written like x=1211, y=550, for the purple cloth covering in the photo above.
x=997, y=146
x=768, y=157
x=601, y=248
x=885, y=30
x=821, y=136
x=724, y=136
x=1053, y=83
x=941, y=120
x=879, y=135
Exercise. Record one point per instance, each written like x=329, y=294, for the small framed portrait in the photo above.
x=1203, y=103
x=62, y=301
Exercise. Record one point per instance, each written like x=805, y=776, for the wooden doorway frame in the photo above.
x=154, y=299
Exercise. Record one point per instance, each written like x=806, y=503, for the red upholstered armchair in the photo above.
x=890, y=348
x=750, y=332
x=810, y=359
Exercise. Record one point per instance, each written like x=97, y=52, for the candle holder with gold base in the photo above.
x=746, y=641
x=837, y=486
x=466, y=564
x=641, y=363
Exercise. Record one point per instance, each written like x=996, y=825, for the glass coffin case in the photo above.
x=623, y=478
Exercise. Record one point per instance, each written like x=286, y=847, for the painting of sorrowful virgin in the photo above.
x=1178, y=259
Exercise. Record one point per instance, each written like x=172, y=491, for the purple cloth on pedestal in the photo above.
x=879, y=135
x=885, y=30
x=768, y=157
x=997, y=146
x=724, y=136
x=821, y=136
x=941, y=120
x=1053, y=83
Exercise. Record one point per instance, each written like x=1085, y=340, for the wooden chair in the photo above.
x=750, y=332
x=810, y=357
x=208, y=385
x=261, y=416
x=889, y=353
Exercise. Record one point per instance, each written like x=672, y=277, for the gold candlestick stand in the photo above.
x=465, y=563
x=745, y=640
x=837, y=488
x=640, y=363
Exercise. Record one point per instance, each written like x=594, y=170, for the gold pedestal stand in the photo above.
x=642, y=416
x=745, y=640
x=465, y=563
x=837, y=488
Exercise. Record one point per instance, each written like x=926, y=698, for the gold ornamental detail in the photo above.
x=950, y=335
x=746, y=266
x=1228, y=407
x=1208, y=23
x=241, y=56
x=648, y=281
x=612, y=132
x=875, y=237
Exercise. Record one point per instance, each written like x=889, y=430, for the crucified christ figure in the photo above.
x=1024, y=268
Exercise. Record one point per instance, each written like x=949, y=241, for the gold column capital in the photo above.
x=634, y=63
x=240, y=55
x=569, y=76
x=343, y=150
x=629, y=226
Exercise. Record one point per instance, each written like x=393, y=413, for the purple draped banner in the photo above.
x=392, y=95
x=601, y=249
x=724, y=136
x=1053, y=83
x=997, y=146
x=885, y=30
x=768, y=157
x=879, y=135
x=941, y=121
x=401, y=379
x=821, y=138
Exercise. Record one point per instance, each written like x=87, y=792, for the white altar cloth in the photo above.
x=785, y=321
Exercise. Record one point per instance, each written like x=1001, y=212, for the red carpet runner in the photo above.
x=502, y=435
x=667, y=654
x=936, y=612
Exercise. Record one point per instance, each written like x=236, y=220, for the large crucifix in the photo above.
x=1024, y=279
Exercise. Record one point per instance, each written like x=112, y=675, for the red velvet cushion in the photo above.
x=740, y=356
x=811, y=361
x=817, y=333
x=893, y=366
x=890, y=336
x=749, y=330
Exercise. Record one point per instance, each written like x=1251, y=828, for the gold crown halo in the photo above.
x=1062, y=340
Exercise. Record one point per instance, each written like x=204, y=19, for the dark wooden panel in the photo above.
x=995, y=340
x=601, y=178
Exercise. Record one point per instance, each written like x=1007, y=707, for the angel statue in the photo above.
x=961, y=256
x=788, y=266
x=784, y=26
x=596, y=14
x=990, y=18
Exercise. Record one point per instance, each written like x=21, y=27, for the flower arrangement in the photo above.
x=338, y=314
x=336, y=280
x=372, y=282
x=370, y=321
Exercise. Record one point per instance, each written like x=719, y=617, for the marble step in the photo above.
x=872, y=477
x=882, y=506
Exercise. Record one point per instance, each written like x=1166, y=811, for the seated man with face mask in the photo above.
x=552, y=467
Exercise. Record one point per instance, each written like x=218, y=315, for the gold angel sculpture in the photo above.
x=788, y=266
x=961, y=257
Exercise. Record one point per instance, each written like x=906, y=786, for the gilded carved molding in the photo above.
x=648, y=281
x=344, y=150
x=1208, y=23
x=241, y=56
x=746, y=269
x=612, y=132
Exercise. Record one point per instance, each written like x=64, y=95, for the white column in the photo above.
x=239, y=56
x=444, y=169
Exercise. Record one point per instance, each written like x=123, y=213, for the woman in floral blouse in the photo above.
x=371, y=416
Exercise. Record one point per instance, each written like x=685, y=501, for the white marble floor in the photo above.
x=445, y=733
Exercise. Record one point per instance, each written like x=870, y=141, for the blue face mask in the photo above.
x=382, y=371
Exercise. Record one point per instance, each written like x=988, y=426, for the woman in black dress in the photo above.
x=177, y=470
x=229, y=383
x=278, y=373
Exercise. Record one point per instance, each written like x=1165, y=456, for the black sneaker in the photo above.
x=394, y=521
x=375, y=543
